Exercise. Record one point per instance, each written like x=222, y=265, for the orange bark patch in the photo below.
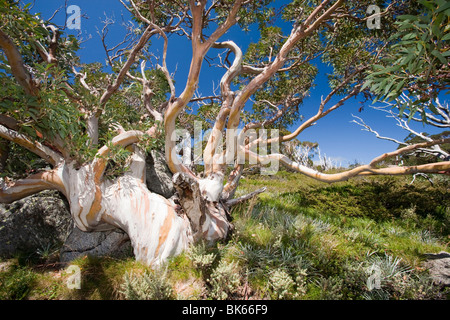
x=165, y=229
x=96, y=205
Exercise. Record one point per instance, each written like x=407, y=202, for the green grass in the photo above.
x=301, y=239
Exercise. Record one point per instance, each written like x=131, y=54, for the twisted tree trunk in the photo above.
x=158, y=227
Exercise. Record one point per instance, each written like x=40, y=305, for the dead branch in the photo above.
x=233, y=202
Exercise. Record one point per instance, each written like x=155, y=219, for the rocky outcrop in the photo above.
x=439, y=267
x=115, y=243
x=38, y=222
x=158, y=175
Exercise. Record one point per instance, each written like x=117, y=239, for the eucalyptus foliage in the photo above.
x=418, y=60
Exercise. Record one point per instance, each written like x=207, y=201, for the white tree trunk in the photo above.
x=158, y=228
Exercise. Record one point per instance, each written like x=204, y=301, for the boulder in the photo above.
x=114, y=243
x=438, y=265
x=38, y=222
x=158, y=175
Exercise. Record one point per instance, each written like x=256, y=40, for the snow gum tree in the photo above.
x=91, y=125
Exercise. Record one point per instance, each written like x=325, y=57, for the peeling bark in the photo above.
x=208, y=218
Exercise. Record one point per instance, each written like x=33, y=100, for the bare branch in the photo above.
x=366, y=127
x=48, y=180
x=370, y=169
x=17, y=65
x=34, y=146
x=82, y=77
x=233, y=202
x=149, y=32
x=408, y=149
x=435, y=150
x=440, y=120
x=297, y=33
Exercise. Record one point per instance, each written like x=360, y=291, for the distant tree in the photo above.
x=301, y=152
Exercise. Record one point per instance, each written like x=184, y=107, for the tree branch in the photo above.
x=297, y=33
x=233, y=202
x=321, y=112
x=199, y=51
x=48, y=180
x=163, y=68
x=148, y=33
x=17, y=65
x=34, y=146
x=402, y=123
x=370, y=169
x=227, y=96
x=123, y=139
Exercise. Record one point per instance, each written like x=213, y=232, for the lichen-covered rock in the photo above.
x=38, y=222
x=438, y=265
x=114, y=243
x=158, y=175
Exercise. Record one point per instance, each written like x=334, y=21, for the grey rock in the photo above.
x=114, y=243
x=158, y=175
x=439, y=267
x=38, y=222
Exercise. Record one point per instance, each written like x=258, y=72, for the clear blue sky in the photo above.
x=337, y=137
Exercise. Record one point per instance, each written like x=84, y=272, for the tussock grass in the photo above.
x=302, y=239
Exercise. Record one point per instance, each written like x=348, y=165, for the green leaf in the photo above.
x=388, y=86
x=366, y=84
x=433, y=108
x=401, y=109
x=443, y=7
x=427, y=4
x=407, y=17
x=409, y=36
x=438, y=55
x=408, y=58
x=422, y=114
x=399, y=85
